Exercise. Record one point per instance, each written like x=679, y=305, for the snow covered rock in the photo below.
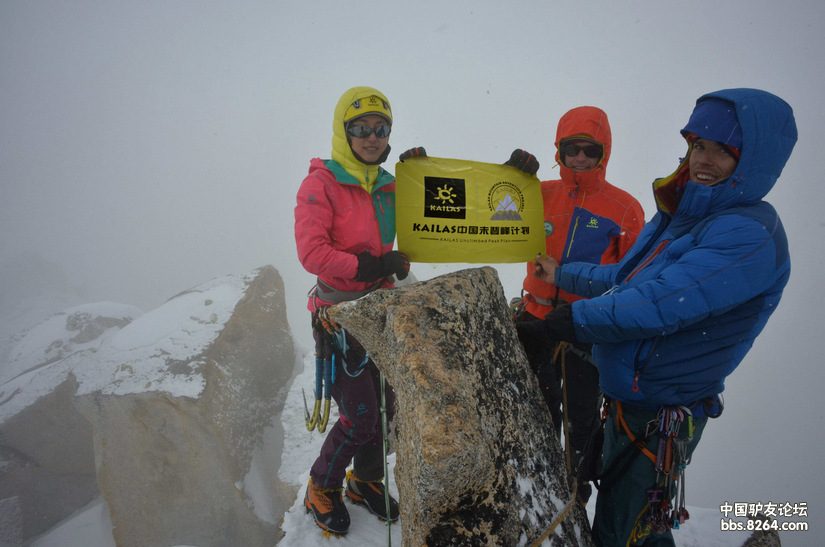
x=160, y=416
x=477, y=460
x=46, y=446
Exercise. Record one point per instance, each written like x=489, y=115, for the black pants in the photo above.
x=583, y=393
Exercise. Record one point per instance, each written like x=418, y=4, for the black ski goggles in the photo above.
x=590, y=150
x=364, y=131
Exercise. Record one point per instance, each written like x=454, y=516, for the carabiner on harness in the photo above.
x=670, y=511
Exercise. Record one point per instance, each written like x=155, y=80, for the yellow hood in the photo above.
x=341, y=151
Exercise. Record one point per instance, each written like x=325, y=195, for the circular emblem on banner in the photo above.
x=548, y=228
x=506, y=201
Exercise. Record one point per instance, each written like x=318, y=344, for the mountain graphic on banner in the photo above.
x=506, y=210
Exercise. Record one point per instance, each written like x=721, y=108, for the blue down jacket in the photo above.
x=680, y=311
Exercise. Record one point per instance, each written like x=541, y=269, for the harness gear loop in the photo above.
x=641, y=443
x=666, y=509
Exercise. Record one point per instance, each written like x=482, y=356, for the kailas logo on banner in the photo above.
x=452, y=210
x=506, y=201
x=444, y=198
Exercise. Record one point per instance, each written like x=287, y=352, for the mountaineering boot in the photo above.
x=370, y=494
x=327, y=506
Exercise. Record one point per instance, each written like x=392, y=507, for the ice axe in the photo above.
x=324, y=367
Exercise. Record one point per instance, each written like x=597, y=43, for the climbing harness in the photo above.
x=330, y=294
x=519, y=303
x=666, y=508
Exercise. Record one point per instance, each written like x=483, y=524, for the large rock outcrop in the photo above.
x=160, y=416
x=46, y=445
x=477, y=460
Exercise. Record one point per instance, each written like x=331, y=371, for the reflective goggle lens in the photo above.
x=364, y=131
x=590, y=150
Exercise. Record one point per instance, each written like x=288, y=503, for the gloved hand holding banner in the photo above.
x=451, y=210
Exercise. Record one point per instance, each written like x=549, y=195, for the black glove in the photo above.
x=558, y=324
x=534, y=340
x=370, y=268
x=524, y=161
x=411, y=153
x=396, y=262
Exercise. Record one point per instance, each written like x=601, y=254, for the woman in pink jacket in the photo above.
x=344, y=230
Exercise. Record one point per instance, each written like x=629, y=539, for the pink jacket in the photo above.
x=335, y=219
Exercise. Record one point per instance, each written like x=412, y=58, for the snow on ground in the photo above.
x=702, y=530
x=131, y=359
x=301, y=449
x=91, y=527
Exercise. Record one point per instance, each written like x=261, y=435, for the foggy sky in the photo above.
x=149, y=146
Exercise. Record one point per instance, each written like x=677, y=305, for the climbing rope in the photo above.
x=559, y=519
x=561, y=349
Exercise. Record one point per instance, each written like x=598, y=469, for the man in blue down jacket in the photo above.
x=676, y=316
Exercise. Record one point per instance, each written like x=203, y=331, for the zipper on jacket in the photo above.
x=575, y=223
x=641, y=367
x=659, y=248
x=572, y=237
x=379, y=222
x=377, y=199
x=629, y=265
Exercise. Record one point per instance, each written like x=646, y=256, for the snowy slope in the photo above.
x=90, y=528
x=702, y=530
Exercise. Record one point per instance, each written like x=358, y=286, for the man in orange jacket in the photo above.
x=586, y=219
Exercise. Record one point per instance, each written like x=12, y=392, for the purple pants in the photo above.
x=356, y=437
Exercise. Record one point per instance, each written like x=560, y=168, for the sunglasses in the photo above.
x=590, y=150
x=364, y=131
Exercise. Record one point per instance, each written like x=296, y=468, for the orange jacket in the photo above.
x=586, y=219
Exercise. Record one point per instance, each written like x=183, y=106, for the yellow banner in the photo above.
x=450, y=210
